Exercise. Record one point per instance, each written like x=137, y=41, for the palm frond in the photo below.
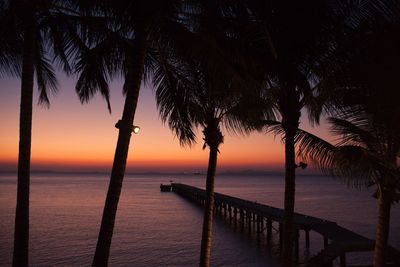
x=45, y=75
x=10, y=43
x=173, y=99
x=10, y=60
x=315, y=149
x=354, y=132
x=93, y=76
x=62, y=35
x=316, y=105
x=247, y=113
x=370, y=11
x=354, y=164
x=150, y=66
x=357, y=165
x=274, y=127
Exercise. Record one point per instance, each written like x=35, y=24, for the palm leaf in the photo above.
x=352, y=132
x=45, y=76
x=10, y=43
x=93, y=77
x=354, y=164
x=357, y=165
x=312, y=148
x=173, y=98
x=60, y=33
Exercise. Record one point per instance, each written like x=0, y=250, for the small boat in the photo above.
x=165, y=187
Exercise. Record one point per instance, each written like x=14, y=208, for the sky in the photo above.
x=70, y=136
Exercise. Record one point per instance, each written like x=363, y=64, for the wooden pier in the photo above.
x=259, y=218
x=165, y=187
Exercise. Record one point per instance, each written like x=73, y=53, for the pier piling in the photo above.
x=337, y=240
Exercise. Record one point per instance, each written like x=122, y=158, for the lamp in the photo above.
x=302, y=165
x=135, y=129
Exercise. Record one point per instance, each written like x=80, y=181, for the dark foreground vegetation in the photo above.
x=233, y=65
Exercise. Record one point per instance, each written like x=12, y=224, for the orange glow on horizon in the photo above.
x=72, y=135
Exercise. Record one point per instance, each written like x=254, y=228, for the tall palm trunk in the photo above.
x=135, y=63
x=382, y=230
x=290, y=174
x=291, y=112
x=21, y=231
x=213, y=138
x=205, y=252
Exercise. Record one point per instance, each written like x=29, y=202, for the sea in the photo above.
x=155, y=228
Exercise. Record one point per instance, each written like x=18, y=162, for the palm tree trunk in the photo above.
x=213, y=138
x=21, y=231
x=205, y=252
x=382, y=231
x=133, y=79
x=290, y=174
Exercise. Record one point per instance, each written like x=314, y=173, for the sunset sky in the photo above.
x=72, y=136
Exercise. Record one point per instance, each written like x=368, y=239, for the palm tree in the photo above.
x=211, y=89
x=133, y=35
x=193, y=94
x=366, y=155
x=291, y=97
x=367, y=123
x=297, y=49
x=368, y=152
x=297, y=57
x=28, y=29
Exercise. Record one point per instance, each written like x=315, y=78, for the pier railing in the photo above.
x=260, y=218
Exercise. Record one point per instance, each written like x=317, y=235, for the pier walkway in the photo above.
x=260, y=218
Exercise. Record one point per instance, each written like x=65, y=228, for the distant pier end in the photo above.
x=165, y=187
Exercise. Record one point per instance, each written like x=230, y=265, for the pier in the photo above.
x=260, y=219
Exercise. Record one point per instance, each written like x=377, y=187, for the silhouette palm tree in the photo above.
x=210, y=89
x=196, y=94
x=367, y=124
x=131, y=35
x=295, y=38
x=367, y=154
x=291, y=96
x=31, y=33
x=296, y=58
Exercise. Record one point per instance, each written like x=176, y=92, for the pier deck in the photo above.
x=337, y=240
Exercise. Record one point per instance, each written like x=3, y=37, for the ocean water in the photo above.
x=163, y=229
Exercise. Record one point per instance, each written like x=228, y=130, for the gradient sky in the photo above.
x=72, y=136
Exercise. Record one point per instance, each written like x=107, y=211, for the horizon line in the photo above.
x=174, y=172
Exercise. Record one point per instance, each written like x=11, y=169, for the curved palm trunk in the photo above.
x=290, y=174
x=205, y=252
x=213, y=138
x=382, y=231
x=21, y=231
x=132, y=85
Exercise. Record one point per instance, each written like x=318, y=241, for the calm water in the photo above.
x=162, y=229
